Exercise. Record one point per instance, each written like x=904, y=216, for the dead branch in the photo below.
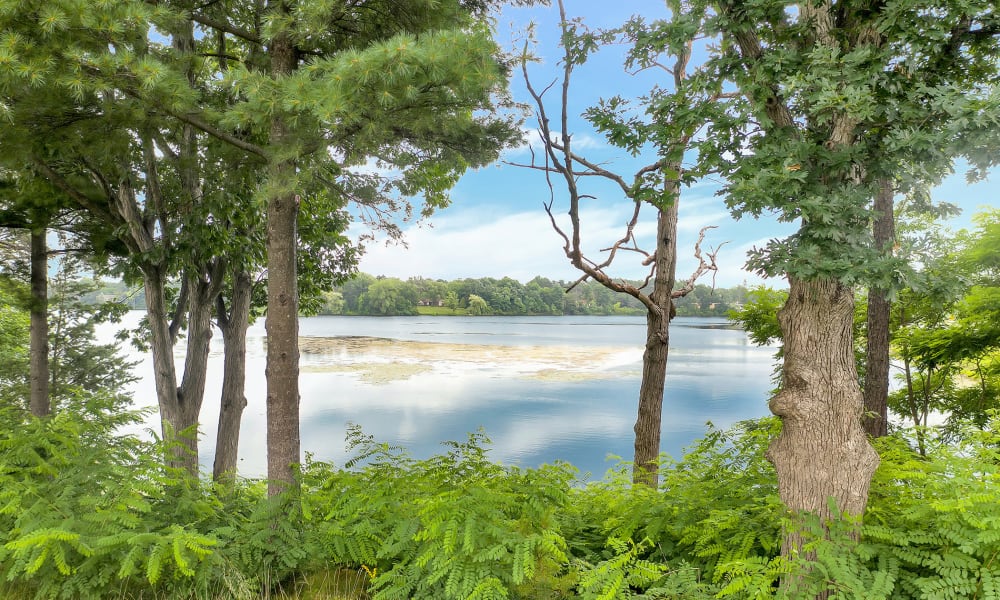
x=582, y=278
x=706, y=263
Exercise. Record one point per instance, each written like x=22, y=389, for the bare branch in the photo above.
x=555, y=225
x=582, y=278
x=706, y=263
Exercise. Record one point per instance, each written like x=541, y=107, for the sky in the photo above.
x=496, y=225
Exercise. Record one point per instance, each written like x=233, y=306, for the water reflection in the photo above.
x=544, y=388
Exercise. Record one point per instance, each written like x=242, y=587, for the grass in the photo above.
x=439, y=311
x=335, y=584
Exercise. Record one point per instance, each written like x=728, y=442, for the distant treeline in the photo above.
x=387, y=296
x=384, y=296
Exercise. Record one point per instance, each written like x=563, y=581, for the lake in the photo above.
x=542, y=388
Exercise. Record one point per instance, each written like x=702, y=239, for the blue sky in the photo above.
x=496, y=225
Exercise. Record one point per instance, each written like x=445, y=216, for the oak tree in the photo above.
x=832, y=107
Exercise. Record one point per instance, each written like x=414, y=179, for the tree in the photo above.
x=947, y=337
x=163, y=103
x=90, y=144
x=431, y=291
x=389, y=297
x=39, y=354
x=29, y=203
x=451, y=300
x=14, y=327
x=672, y=119
x=876, y=382
x=408, y=85
x=478, y=306
x=353, y=289
x=830, y=109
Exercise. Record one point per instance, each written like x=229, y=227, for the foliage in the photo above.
x=759, y=316
x=89, y=513
x=76, y=362
x=86, y=511
x=453, y=526
x=14, y=325
x=945, y=336
x=507, y=296
x=389, y=297
x=946, y=333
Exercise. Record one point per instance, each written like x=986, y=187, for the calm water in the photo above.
x=543, y=388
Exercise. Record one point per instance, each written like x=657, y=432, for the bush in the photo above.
x=88, y=513
x=84, y=512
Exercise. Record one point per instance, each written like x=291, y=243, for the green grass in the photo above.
x=439, y=311
x=330, y=584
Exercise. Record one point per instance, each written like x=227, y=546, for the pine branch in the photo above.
x=226, y=27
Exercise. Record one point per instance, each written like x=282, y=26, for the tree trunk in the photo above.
x=172, y=420
x=822, y=452
x=654, y=358
x=282, y=325
x=876, y=392
x=191, y=392
x=39, y=337
x=234, y=336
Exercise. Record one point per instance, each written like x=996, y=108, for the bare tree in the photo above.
x=656, y=185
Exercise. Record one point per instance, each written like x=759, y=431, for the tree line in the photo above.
x=392, y=296
x=364, y=294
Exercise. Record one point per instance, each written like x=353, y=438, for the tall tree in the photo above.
x=27, y=202
x=397, y=83
x=876, y=390
x=180, y=200
x=39, y=343
x=823, y=134
x=673, y=118
x=16, y=212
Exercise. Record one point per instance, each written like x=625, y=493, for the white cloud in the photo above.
x=533, y=141
x=477, y=242
x=524, y=435
x=519, y=245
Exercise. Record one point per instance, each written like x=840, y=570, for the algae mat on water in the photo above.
x=382, y=360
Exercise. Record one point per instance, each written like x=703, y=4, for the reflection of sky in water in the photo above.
x=543, y=388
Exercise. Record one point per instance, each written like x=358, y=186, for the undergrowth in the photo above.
x=88, y=513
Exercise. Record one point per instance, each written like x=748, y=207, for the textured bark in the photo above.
x=822, y=452
x=191, y=393
x=172, y=420
x=39, y=337
x=282, y=324
x=876, y=392
x=234, y=325
x=654, y=358
x=180, y=406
